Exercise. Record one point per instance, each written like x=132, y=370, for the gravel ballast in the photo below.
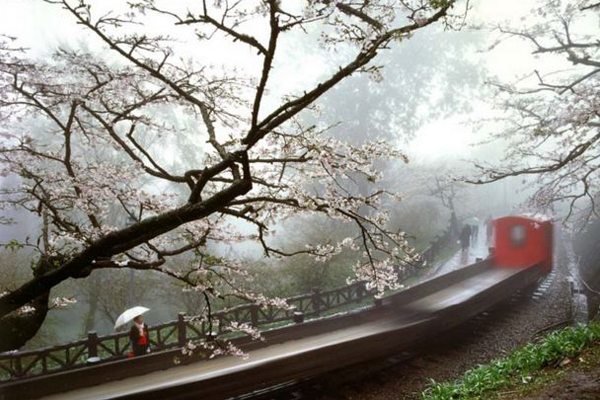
x=488, y=336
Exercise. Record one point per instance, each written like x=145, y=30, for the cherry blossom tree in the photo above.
x=552, y=116
x=89, y=135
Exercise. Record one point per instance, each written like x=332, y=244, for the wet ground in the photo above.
x=579, y=385
x=479, y=248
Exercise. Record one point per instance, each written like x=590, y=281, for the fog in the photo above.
x=433, y=102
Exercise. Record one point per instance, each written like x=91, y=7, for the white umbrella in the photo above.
x=472, y=221
x=130, y=314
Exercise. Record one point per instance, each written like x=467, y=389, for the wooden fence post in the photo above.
x=435, y=245
x=316, y=300
x=359, y=291
x=181, y=329
x=254, y=315
x=92, y=344
x=298, y=317
x=18, y=368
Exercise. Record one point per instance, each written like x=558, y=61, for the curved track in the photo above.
x=315, y=347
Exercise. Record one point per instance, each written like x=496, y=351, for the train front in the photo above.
x=521, y=242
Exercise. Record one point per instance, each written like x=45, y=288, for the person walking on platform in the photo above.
x=140, y=341
x=489, y=226
x=465, y=237
x=138, y=335
x=475, y=233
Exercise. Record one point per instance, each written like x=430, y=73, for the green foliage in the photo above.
x=13, y=245
x=422, y=217
x=13, y=266
x=211, y=260
x=520, y=365
x=301, y=274
x=439, y=3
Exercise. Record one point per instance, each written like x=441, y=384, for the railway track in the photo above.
x=306, y=359
x=327, y=386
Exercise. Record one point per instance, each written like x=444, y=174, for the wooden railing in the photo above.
x=22, y=364
x=439, y=243
x=15, y=365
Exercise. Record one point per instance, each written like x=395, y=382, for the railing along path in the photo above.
x=21, y=364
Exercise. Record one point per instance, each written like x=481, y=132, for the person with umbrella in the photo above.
x=140, y=341
x=138, y=335
x=465, y=237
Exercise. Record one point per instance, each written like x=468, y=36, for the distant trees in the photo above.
x=92, y=138
x=430, y=77
x=552, y=117
x=108, y=294
x=303, y=274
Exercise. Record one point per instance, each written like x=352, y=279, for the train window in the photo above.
x=517, y=235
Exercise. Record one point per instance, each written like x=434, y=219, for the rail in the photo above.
x=173, y=334
x=15, y=365
x=295, y=352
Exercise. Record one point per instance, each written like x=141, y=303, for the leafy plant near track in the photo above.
x=519, y=366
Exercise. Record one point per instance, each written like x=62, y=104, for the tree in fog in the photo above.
x=65, y=118
x=552, y=116
x=429, y=78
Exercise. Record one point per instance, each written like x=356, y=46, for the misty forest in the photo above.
x=197, y=156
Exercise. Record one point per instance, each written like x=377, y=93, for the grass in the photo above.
x=522, y=366
x=558, y=376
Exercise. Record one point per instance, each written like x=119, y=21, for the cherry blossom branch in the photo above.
x=293, y=107
x=153, y=72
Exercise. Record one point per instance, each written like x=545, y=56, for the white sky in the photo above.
x=43, y=27
x=453, y=138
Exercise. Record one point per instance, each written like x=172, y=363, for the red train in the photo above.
x=523, y=242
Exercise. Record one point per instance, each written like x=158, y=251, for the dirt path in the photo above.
x=578, y=385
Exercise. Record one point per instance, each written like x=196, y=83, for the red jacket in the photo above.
x=136, y=338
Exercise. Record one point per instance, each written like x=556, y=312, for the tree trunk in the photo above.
x=17, y=329
x=19, y=326
x=90, y=320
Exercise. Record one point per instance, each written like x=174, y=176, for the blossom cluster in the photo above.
x=168, y=153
